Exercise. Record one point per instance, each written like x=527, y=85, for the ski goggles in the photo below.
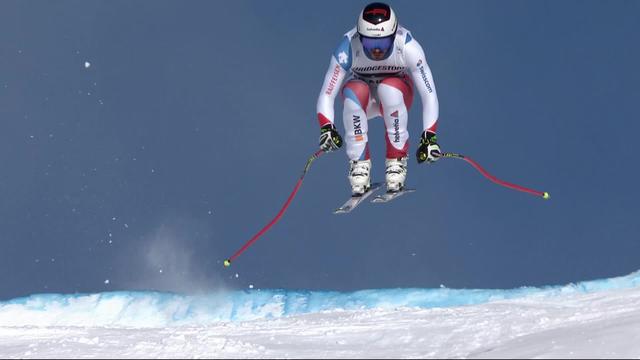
x=377, y=48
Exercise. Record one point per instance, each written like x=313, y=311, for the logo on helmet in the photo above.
x=377, y=12
x=377, y=20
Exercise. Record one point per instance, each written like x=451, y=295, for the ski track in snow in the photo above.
x=580, y=321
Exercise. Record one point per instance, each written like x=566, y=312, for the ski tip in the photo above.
x=546, y=196
x=341, y=209
x=227, y=263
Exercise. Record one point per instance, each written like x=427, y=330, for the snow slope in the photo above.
x=592, y=319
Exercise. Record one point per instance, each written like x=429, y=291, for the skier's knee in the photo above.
x=394, y=91
x=358, y=92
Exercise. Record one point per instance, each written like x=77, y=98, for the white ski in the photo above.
x=388, y=196
x=354, y=201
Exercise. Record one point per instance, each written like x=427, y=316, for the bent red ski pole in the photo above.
x=545, y=195
x=316, y=155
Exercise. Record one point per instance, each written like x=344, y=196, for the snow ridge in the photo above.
x=157, y=309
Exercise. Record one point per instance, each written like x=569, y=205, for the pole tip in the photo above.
x=546, y=196
x=227, y=263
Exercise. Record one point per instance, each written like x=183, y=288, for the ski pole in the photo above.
x=316, y=155
x=545, y=195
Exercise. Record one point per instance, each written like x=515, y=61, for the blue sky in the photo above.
x=190, y=127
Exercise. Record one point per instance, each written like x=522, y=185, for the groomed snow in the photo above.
x=597, y=319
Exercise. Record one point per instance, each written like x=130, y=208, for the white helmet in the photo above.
x=377, y=25
x=377, y=20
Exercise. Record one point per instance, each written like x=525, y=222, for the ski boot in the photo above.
x=359, y=176
x=395, y=173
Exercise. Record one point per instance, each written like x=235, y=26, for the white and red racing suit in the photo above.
x=378, y=88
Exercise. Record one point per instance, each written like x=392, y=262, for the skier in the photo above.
x=382, y=63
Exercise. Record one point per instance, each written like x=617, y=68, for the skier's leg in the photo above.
x=396, y=95
x=356, y=99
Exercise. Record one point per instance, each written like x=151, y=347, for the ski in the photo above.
x=354, y=201
x=390, y=195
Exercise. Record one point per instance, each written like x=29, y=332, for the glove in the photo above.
x=429, y=150
x=330, y=139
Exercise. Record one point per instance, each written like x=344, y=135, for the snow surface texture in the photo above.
x=596, y=319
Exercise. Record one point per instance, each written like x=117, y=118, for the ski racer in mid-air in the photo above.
x=381, y=63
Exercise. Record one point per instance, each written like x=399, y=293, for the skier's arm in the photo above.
x=423, y=80
x=337, y=72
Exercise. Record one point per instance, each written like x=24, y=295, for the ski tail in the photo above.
x=354, y=201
